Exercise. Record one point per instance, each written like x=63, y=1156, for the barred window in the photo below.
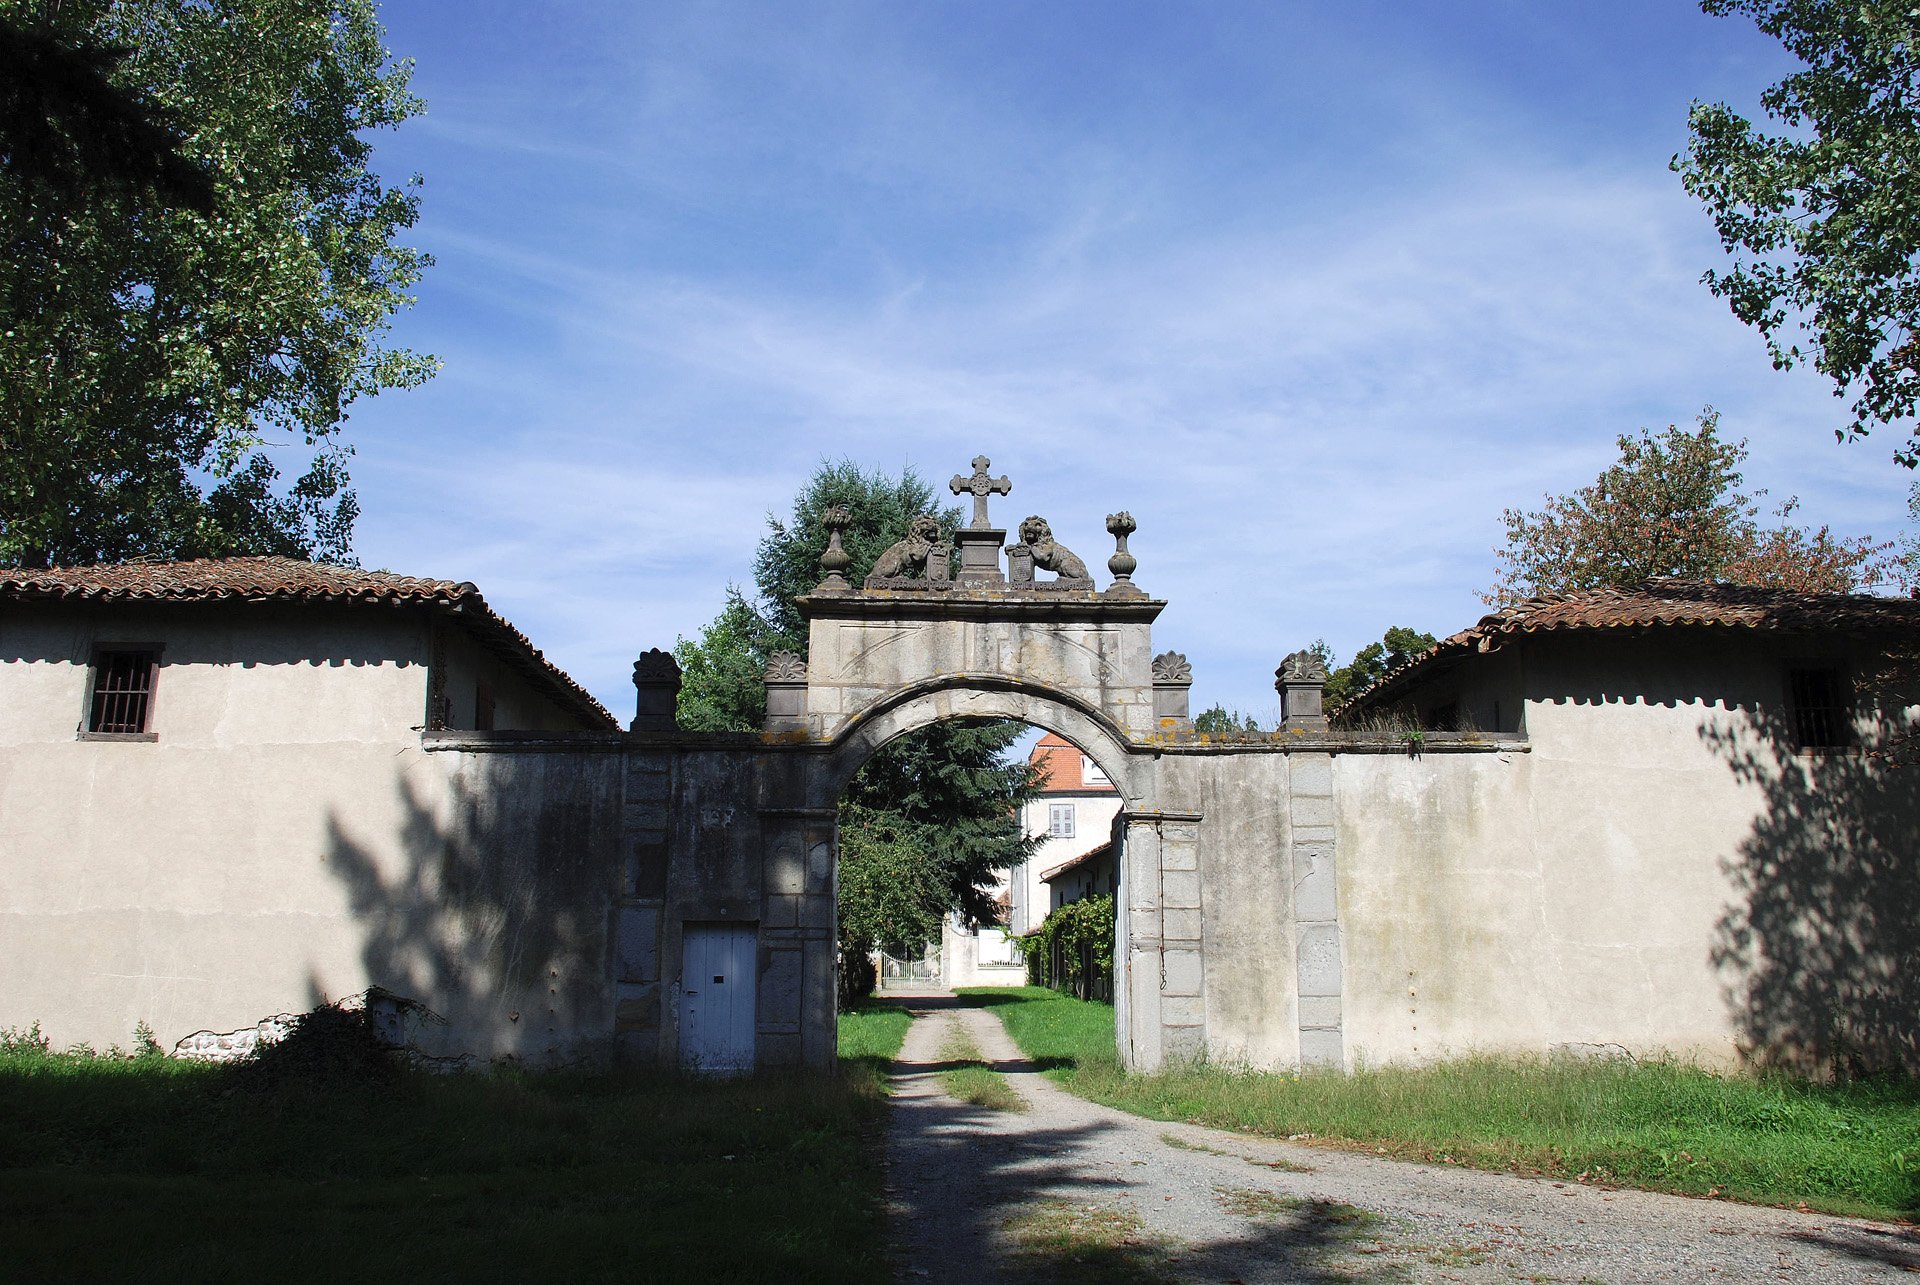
x=1820, y=708
x=122, y=700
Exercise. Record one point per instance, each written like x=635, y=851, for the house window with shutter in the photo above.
x=120, y=697
x=1060, y=821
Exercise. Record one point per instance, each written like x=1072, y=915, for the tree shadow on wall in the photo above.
x=1820, y=950
x=492, y=909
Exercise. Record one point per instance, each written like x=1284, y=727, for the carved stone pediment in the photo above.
x=1172, y=667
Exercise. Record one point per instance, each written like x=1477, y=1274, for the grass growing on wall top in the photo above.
x=1843, y=1148
x=120, y=1168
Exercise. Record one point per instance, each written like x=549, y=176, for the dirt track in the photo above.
x=973, y=1190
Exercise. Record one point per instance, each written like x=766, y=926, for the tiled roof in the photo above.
x=291, y=580
x=1072, y=863
x=1661, y=604
x=1059, y=762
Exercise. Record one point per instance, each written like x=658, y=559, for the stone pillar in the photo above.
x=1162, y=992
x=786, y=679
x=1318, y=960
x=1172, y=682
x=638, y=913
x=795, y=1024
x=656, y=679
x=1301, y=681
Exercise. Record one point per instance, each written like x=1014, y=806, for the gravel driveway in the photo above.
x=1072, y=1190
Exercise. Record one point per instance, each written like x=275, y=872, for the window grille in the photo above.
x=1817, y=701
x=1060, y=821
x=122, y=691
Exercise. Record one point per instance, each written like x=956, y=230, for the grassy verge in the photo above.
x=119, y=1168
x=1851, y=1149
x=870, y=1038
x=972, y=1080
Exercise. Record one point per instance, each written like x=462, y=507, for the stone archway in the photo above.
x=922, y=641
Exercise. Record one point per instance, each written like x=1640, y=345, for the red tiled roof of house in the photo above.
x=1661, y=604
x=1073, y=863
x=269, y=579
x=1059, y=762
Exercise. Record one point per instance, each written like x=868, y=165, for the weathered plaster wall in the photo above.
x=1580, y=893
x=286, y=838
x=1246, y=880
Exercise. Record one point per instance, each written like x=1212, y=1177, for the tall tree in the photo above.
x=947, y=793
x=1820, y=218
x=161, y=356
x=1673, y=505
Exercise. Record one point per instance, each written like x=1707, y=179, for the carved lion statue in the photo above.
x=909, y=556
x=1048, y=556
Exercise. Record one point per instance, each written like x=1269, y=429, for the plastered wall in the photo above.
x=287, y=837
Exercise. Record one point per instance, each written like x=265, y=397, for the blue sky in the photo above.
x=1314, y=290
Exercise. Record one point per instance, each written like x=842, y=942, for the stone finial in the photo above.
x=836, y=559
x=1302, y=667
x=786, y=667
x=786, y=680
x=656, y=680
x=1172, y=680
x=980, y=486
x=1122, y=564
x=1301, y=681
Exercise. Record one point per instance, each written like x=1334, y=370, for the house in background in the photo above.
x=1071, y=816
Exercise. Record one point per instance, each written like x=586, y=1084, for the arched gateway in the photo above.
x=933, y=636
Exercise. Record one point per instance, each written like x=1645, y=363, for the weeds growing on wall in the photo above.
x=1072, y=949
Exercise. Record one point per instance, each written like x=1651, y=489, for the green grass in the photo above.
x=870, y=1037
x=972, y=1080
x=1072, y=1243
x=1847, y=1148
x=153, y=1169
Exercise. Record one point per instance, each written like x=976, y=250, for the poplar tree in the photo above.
x=1819, y=216
x=200, y=269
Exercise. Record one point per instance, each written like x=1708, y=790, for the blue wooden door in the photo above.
x=716, y=998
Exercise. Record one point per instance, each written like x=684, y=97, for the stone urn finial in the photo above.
x=656, y=681
x=836, y=559
x=1121, y=564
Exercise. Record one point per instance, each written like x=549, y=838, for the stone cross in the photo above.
x=980, y=486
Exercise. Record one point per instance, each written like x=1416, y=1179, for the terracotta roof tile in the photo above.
x=291, y=580
x=1661, y=604
x=1072, y=863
